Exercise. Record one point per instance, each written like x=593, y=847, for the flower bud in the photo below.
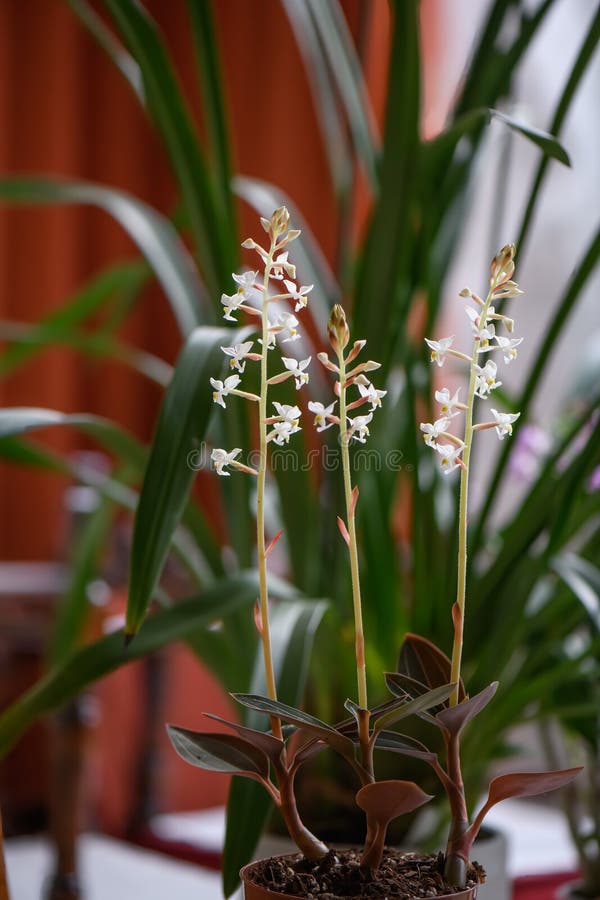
x=503, y=265
x=507, y=289
x=325, y=361
x=337, y=329
x=280, y=221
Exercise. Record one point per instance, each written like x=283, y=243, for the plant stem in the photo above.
x=305, y=840
x=457, y=854
x=458, y=614
x=265, y=631
x=361, y=669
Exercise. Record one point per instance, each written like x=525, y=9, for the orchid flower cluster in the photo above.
x=267, y=299
x=454, y=451
x=351, y=428
x=258, y=300
x=357, y=427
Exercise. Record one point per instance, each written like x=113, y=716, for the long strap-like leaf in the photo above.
x=379, y=299
x=151, y=231
x=168, y=108
x=93, y=661
x=183, y=419
x=564, y=104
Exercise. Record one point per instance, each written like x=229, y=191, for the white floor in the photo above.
x=110, y=870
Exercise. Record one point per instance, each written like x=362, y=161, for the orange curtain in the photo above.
x=65, y=110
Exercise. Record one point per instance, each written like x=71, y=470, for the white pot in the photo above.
x=491, y=850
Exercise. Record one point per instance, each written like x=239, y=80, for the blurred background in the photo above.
x=67, y=110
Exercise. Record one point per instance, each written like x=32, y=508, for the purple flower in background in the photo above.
x=532, y=444
x=594, y=482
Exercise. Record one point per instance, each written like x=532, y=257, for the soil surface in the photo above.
x=401, y=876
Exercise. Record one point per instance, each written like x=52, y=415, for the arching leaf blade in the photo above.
x=91, y=662
x=151, y=231
x=183, y=419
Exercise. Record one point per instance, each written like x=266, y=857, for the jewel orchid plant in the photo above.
x=275, y=757
x=422, y=665
x=427, y=683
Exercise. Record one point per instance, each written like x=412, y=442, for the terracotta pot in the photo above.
x=256, y=892
x=490, y=851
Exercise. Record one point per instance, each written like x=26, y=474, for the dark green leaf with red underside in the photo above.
x=520, y=784
x=300, y=719
x=354, y=710
x=528, y=784
x=219, y=752
x=383, y=801
x=404, y=744
x=414, y=707
x=454, y=718
x=266, y=743
x=386, y=800
x=422, y=661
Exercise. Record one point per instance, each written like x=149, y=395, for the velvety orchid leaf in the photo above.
x=299, y=718
x=421, y=660
x=454, y=718
x=407, y=688
x=413, y=707
x=528, y=784
x=308, y=747
x=399, y=684
x=264, y=742
x=218, y=752
x=386, y=800
x=404, y=744
x=353, y=708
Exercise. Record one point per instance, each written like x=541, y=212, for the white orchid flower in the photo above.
x=246, y=283
x=281, y=265
x=231, y=303
x=299, y=294
x=486, y=334
x=287, y=322
x=221, y=459
x=369, y=392
x=359, y=427
x=321, y=412
x=485, y=378
x=508, y=347
x=449, y=457
x=439, y=349
x=449, y=405
x=289, y=414
x=222, y=389
x=281, y=433
x=238, y=354
x=431, y=433
x=504, y=422
x=297, y=368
